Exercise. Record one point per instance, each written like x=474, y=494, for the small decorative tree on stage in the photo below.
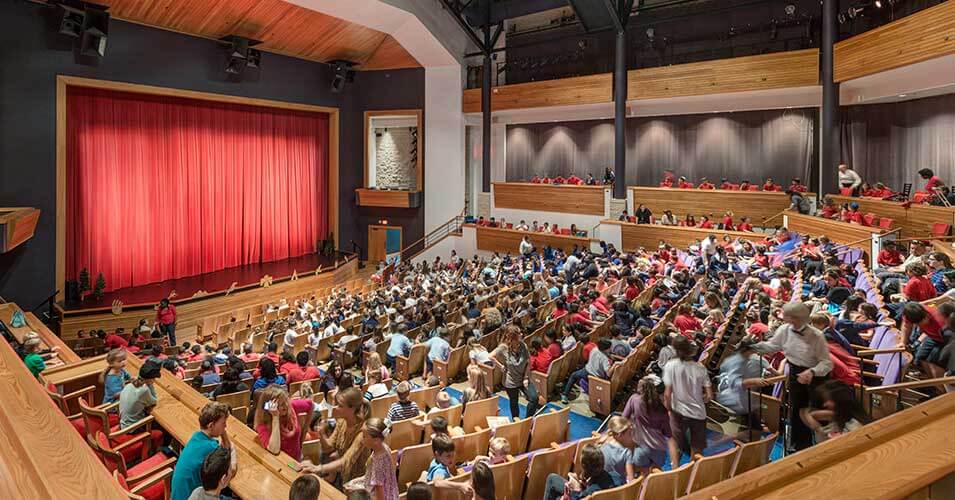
x=100, y=286
x=84, y=285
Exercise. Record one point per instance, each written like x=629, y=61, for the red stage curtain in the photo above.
x=161, y=188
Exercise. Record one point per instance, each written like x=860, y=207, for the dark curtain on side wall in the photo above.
x=750, y=145
x=161, y=187
x=890, y=142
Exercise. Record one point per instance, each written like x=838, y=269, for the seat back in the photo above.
x=557, y=461
x=96, y=420
x=578, y=450
x=380, y=406
x=424, y=397
x=710, y=470
x=753, y=454
x=476, y=413
x=885, y=223
x=451, y=493
x=549, y=428
x=452, y=414
x=516, y=433
x=628, y=491
x=112, y=459
x=235, y=399
x=665, y=485
x=312, y=450
x=403, y=433
x=414, y=460
x=940, y=229
x=509, y=478
x=470, y=445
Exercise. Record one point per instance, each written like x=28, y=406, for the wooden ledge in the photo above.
x=17, y=225
x=392, y=198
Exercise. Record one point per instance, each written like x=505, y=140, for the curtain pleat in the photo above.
x=161, y=188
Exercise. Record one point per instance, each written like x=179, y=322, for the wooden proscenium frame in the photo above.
x=63, y=82
x=367, y=196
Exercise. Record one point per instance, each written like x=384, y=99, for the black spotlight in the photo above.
x=71, y=20
x=342, y=74
x=95, y=31
x=241, y=54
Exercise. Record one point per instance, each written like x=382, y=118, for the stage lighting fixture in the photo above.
x=71, y=21
x=790, y=9
x=234, y=67
x=878, y=4
x=255, y=58
x=95, y=31
x=342, y=74
x=650, y=34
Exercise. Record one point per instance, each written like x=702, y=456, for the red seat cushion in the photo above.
x=80, y=425
x=156, y=491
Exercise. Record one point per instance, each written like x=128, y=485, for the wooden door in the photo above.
x=383, y=242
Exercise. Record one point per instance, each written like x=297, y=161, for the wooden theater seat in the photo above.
x=448, y=371
x=476, y=413
x=660, y=485
x=557, y=460
x=404, y=433
x=546, y=383
x=471, y=445
x=452, y=414
x=753, y=454
x=413, y=461
x=627, y=491
x=516, y=433
x=424, y=397
x=579, y=448
x=380, y=406
x=550, y=428
x=710, y=470
x=509, y=478
x=451, y=493
x=406, y=367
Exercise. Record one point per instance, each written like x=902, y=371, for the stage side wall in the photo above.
x=32, y=57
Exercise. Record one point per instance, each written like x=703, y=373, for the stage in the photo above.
x=201, y=296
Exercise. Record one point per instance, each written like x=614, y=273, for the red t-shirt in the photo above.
x=706, y=225
x=919, y=288
x=744, y=226
x=933, y=182
x=855, y=216
x=166, y=316
x=799, y=188
x=631, y=292
x=298, y=374
x=726, y=185
x=555, y=350
x=759, y=330
x=686, y=323
x=667, y=183
x=829, y=211
x=589, y=346
x=707, y=185
x=114, y=341
x=291, y=434
x=845, y=368
x=890, y=258
x=536, y=180
x=541, y=360
x=685, y=185
x=575, y=180
x=931, y=325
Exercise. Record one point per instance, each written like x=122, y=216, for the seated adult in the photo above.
x=594, y=477
x=268, y=375
x=212, y=425
x=598, y=365
x=231, y=382
x=303, y=369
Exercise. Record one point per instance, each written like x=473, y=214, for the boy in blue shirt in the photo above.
x=212, y=425
x=438, y=349
x=442, y=466
x=400, y=346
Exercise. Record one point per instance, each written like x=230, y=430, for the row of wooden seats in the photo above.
x=727, y=334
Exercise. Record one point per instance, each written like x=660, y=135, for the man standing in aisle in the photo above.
x=807, y=353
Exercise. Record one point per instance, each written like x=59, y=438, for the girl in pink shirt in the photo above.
x=276, y=421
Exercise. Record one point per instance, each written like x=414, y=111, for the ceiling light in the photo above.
x=903, y=95
x=790, y=9
x=878, y=4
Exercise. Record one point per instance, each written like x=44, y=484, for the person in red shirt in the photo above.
x=683, y=184
x=560, y=309
x=553, y=346
x=689, y=221
x=705, y=223
x=757, y=326
x=744, y=186
x=770, y=186
x=547, y=180
x=573, y=179
x=932, y=181
x=589, y=346
x=879, y=191
x=301, y=371
x=632, y=289
x=667, y=182
x=890, y=255
x=744, y=225
x=705, y=184
x=560, y=180
x=854, y=215
x=166, y=320
x=931, y=324
x=797, y=186
x=686, y=322
x=918, y=287
x=114, y=341
x=726, y=184
x=272, y=353
x=829, y=209
x=727, y=222
x=540, y=356
x=578, y=315
x=535, y=180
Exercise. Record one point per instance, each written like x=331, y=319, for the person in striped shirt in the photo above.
x=404, y=408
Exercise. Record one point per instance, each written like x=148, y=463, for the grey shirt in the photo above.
x=807, y=348
x=598, y=364
x=133, y=402
x=515, y=364
x=200, y=494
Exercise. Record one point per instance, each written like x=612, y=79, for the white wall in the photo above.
x=443, y=146
x=584, y=222
x=465, y=246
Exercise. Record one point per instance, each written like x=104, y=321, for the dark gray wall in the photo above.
x=32, y=56
x=891, y=142
x=749, y=145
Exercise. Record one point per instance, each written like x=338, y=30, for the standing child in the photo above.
x=380, y=480
x=688, y=390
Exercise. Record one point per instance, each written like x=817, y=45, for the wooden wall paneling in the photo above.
x=888, y=459
x=387, y=198
x=796, y=68
x=590, y=89
x=586, y=200
x=41, y=455
x=927, y=34
x=649, y=236
x=191, y=313
x=283, y=28
x=915, y=221
x=17, y=225
x=498, y=240
x=837, y=231
x=757, y=205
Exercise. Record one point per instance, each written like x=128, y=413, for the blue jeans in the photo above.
x=170, y=331
x=575, y=377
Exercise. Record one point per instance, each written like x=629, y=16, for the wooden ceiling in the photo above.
x=284, y=28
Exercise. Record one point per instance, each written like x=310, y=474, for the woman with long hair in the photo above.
x=619, y=448
x=276, y=421
x=350, y=458
x=513, y=358
x=835, y=403
x=482, y=482
x=651, y=424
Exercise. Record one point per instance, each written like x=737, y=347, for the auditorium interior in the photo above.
x=477, y=249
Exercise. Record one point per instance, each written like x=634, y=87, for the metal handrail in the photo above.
x=432, y=238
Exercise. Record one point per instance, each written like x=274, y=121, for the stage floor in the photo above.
x=218, y=281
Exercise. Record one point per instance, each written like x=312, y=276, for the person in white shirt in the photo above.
x=522, y=226
x=526, y=247
x=848, y=178
x=688, y=391
x=290, y=335
x=807, y=353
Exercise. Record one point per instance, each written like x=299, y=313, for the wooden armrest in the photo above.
x=108, y=406
x=871, y=374
x=870, y=352
x=869, y=362
x=80, y=392
x=157, y=478
x=859, y=347
x=554, y=446
x=137, y=438
x=168, y=463
x=148, y=422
